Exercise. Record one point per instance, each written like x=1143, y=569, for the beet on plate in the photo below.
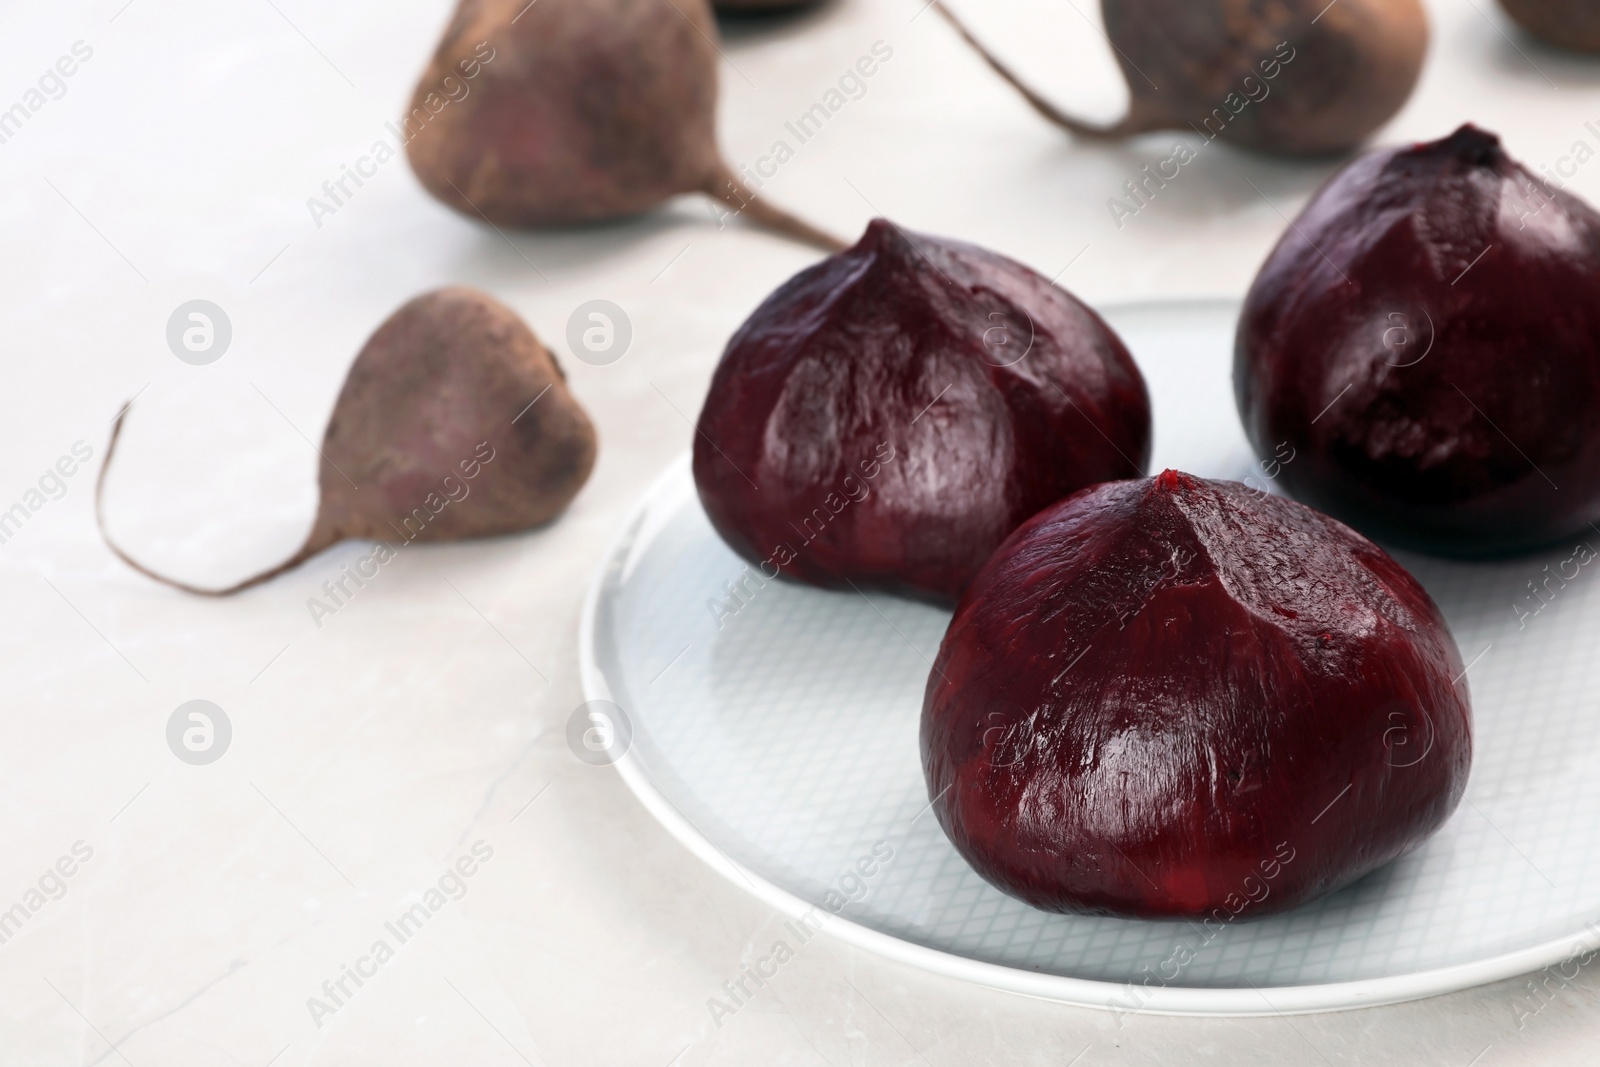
x=1175, y=697
x=1426, y=339
x=887, y=417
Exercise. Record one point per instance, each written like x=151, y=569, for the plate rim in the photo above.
x=1243, y=1001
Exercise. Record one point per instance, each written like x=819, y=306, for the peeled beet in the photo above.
x=454, y=422
x=1176, y=698
x=1571, y=24
x=1294, y=77
x=887, y=416
x=1426, y=339
x=585, y=110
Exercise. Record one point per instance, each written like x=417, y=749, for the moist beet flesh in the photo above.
x=1175, y=697
x=1425, y=341
x=888, y=416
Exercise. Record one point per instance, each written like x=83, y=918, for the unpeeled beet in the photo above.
x=1571, y=24
x=587, y=110
x=886, y=417
x=1293, y=77
x=1184, y=698
x=454, y=422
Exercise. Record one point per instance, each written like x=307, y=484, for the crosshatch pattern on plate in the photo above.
x=786, y=733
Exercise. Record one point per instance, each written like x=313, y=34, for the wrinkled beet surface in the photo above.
x=1171, y=696
x=888, y=416
x=1426, y=339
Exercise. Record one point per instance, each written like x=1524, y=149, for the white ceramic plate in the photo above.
x=781, y=747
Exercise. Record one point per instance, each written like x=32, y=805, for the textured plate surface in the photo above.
x=776, y=735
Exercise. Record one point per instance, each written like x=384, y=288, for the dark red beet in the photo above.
x=1171, y=696
x=889, y=415
x=1426, y=339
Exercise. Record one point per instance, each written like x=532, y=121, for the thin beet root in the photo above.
x=1297, y=77
x=1573, y=24
x=576, y=111
x=453, y=423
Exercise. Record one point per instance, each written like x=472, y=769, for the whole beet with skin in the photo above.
x=1573, y=24
x=1292, y=77
x=451, y=368
x=1426, y=340
x=758, y=7
x=454, y=422
x=886, y=417
x=1184, y=698
x=579, y=111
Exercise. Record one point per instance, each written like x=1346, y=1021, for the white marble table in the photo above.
x=207, y=904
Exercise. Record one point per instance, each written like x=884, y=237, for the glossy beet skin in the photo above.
x=1426, y=338
x=1171, y=696
x=888, y=416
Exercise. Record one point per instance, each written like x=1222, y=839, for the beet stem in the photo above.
x=726, y=186
x=305, y=552
x=1127, y=126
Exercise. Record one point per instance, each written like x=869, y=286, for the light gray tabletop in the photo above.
x=424, y=719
